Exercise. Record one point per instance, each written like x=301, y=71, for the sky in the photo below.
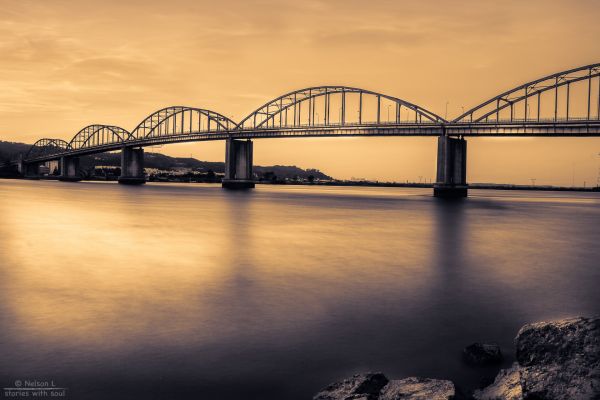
x=68, y=64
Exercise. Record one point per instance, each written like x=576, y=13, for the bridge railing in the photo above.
x=515, y=121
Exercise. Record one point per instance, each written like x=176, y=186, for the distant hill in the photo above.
x=10, y=150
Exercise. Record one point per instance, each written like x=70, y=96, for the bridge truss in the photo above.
x=565, y=96
x=562, y=104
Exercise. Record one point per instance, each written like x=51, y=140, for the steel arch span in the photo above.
x=46, y=147
x=565, y=104
x=98, y=135
x=572, y=95
x=180, y=120
x=335, y=106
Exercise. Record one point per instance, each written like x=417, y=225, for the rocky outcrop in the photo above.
x=418, y=389
x=482, y=354
x=377, y=387
x=506, y=386
x=359, y=387
x=560, y=360
x=557, y=360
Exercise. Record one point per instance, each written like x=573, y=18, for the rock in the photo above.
x=359, y=387
x=557, y=360
x=506, y=386
x=418, y=389
x=560, y=360
x=559, y=341
x=482, y=354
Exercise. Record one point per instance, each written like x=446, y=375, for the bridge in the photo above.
x=565, y=104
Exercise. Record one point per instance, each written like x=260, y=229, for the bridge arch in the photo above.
x=287, y=111
x=181, y=120
x=98, y=135
x=46, y=147
x=550, y=98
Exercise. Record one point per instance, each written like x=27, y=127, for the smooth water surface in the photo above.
x=179, y=291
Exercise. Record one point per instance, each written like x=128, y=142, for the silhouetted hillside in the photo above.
x=9, y=150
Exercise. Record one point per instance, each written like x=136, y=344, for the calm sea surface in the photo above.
x=181, y=291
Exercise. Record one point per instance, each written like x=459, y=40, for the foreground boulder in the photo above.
x=557, y=360
x=418, y=389
x=560, y=360
x=359, y=387
x=377, y=387
x=482, y=354
x=506, y=386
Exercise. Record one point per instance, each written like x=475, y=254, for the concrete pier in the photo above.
x=132, y=166
x=30, y=170
x=21, y=167
x=238, y=165
x=69, y=169
x=451, y=179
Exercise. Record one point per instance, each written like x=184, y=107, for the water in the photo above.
x=180, y=291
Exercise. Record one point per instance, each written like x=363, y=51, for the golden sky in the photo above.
x=67, y=64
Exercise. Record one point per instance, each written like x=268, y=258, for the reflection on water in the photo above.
x=179, y=290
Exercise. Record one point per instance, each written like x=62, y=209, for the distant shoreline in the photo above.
x=491, y=186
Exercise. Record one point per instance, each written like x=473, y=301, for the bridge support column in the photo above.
x=238, y=165
x=69, y=169
x=30, y=170
x=451, y=179
x=132, y=166
x=21, y=166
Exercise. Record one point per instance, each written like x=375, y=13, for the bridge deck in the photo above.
x=572, y=128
